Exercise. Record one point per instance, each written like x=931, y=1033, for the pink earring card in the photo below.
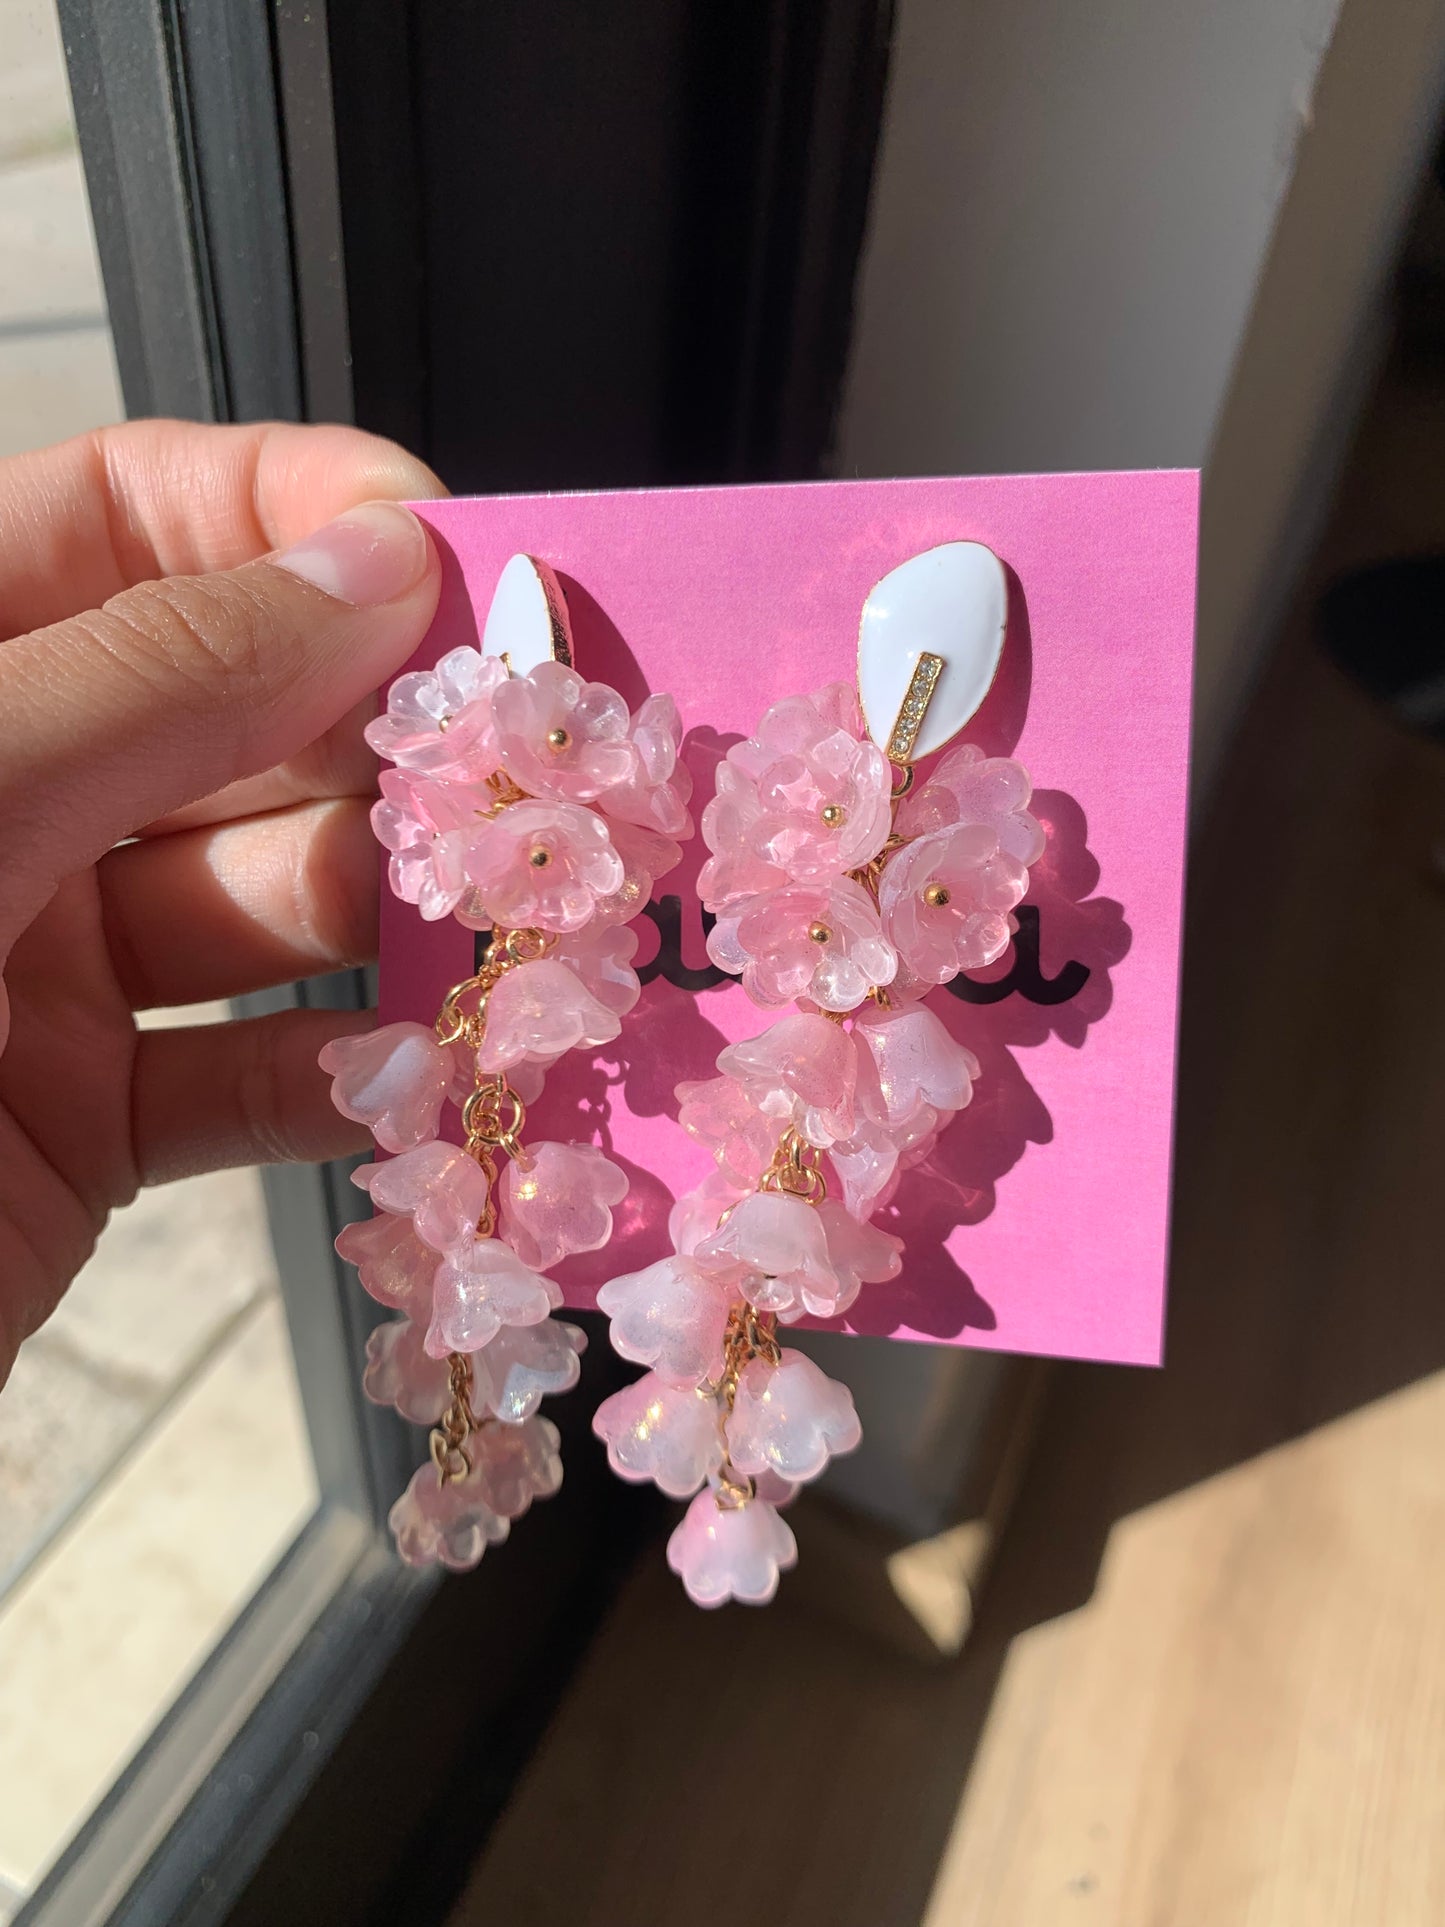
x=1040, y=1223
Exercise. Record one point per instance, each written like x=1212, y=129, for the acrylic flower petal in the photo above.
x=946, y=901
x=393, y=1080
x=645, y=856
x=858, y=1254
x=560, y=736
x=696, y=1214
x=666, y=1433
x=731, y=1552
x=424, y=822
x=438, y=1186
x=656, y=793
x=789, y=1419
x=803, y=798
x=538, y=1011
x=671, y=1316
x=399, y=1373
x=557, y=1201
x=445, y=1525
x=523, y=1365
x=600, y=956
x=969, y=787
x=800, y=1073
x=823, y=942
x=716, y=1111
x=774, y=1249
x=480, y=1287
x=543, y=865
x=514, y=1464
x=393, y=1264
x=867, y=1165
x=439, y=721
x=916, y=1062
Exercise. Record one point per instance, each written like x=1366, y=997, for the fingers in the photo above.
x=216, y=912
x=247, y=1092
x=85, y=520
x=339, y=763
x=176, y=689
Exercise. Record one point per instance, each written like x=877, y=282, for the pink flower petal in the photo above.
x=789, y=1419
x=392, y=1263
x=538, y=1011
x=666, y=1433
x=671, y=1316
x=732, y=1552
x=480, y=1287
x=393, y=1080
x=558, y=1202
x=438, y=1186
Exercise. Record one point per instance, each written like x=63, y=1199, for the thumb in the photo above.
x=177, y=687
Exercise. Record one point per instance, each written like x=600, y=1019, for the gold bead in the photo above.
x=558, y=738
x=819, y=932
x=834, y=815
x=539, y=859
x=936, y=895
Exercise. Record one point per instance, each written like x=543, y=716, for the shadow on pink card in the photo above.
x=1040, y=1223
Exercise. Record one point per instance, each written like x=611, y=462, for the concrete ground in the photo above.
x=153, y=1460
x=57, y=373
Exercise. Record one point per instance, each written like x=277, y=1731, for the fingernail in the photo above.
x=368, y=556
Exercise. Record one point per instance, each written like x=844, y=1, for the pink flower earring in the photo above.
x=528, y=803
x=839, y=888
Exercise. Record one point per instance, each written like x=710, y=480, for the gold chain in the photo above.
x=750, y=1334
x=794, y=1170
x=449, y=1441
x=492, y=1118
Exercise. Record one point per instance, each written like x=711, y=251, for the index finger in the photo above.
x=92, y=516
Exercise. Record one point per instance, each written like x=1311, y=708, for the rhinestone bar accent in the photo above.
x=909, y=719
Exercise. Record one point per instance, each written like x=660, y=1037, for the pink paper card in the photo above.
x=1040, y=1224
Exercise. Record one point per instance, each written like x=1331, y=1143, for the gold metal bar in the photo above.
x=914, y=708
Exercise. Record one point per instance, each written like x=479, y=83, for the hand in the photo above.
x=183, y=803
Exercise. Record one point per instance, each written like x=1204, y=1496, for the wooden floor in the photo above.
x=1207, y=1686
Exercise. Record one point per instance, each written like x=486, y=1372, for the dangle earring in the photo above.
x=839, y=888
x=528, y=804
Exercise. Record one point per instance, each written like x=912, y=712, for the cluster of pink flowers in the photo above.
x=528, y=803
x=804, y=804
x=830, y=893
